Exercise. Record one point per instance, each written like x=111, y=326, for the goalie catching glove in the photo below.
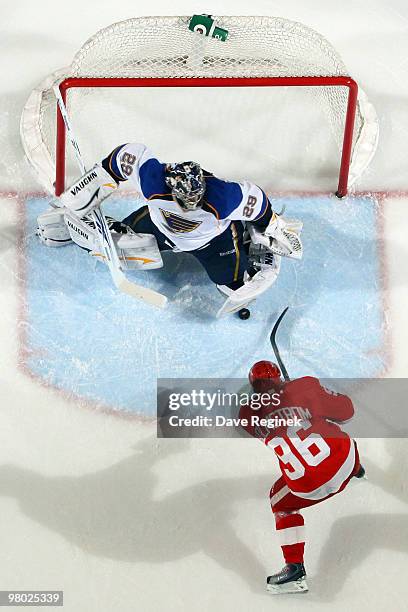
x=88, y=192
x=281, y=236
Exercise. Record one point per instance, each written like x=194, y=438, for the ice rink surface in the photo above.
x=170, y=343
x=91, y=502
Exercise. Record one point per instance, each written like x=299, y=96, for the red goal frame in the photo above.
x=339, y=81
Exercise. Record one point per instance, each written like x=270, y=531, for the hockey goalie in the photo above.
x=229, y=227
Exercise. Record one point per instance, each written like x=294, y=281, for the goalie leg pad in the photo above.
x=135, y=251
x=51, y=228
x=252, y=288
x=82, y=231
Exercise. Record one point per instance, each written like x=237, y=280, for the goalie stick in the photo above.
x=105, y=238
x=275, y=346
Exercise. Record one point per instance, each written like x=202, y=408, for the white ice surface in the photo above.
x=93, y=503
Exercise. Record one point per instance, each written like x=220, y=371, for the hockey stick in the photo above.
x=105, y=237
x=275, y=346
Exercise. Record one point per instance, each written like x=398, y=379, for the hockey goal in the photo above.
x=273, y=100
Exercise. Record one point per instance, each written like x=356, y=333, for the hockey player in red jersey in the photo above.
x=317, y=459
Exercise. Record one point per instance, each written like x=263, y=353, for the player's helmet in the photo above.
x=264, y=376
x=187, y=183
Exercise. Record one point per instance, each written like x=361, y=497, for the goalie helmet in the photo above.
x=264, y=376
x=187, y=183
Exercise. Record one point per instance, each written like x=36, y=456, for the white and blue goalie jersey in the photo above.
x=224, y=201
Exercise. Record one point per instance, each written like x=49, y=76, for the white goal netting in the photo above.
x=277, y=136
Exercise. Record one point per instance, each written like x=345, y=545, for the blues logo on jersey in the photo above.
x=178, y=224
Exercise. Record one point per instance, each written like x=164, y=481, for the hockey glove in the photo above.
x=281, y=236
x=88, y=192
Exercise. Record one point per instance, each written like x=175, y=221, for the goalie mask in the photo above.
x=187, y=183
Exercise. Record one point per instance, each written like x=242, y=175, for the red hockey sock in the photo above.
x=290, y=528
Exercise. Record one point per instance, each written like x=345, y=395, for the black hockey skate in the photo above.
x=361, y=472
x=291, y=579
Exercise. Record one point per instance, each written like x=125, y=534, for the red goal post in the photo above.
x=92, y=82
x=274, y=90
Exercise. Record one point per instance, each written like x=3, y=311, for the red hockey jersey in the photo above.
x=315, y=455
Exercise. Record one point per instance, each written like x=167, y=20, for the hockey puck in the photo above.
x=244, y=314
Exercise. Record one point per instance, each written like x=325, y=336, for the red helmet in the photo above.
x=264, y=375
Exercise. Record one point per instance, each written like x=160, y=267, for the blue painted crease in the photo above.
x=89, y=340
